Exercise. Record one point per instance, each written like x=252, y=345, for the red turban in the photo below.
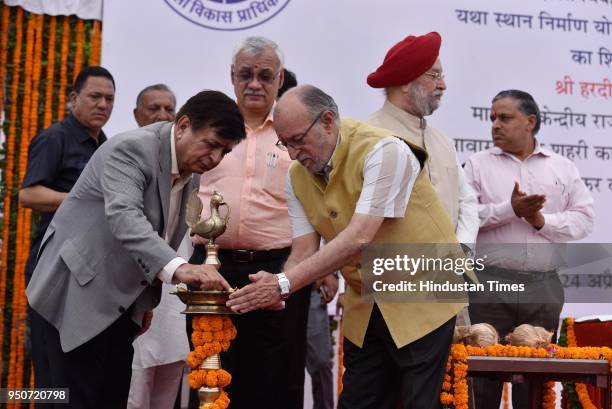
x=406, y=61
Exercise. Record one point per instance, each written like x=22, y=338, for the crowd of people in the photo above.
x=308, y=190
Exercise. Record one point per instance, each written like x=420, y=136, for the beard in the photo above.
x=424, y=102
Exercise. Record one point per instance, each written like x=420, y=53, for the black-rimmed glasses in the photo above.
x=298, y=142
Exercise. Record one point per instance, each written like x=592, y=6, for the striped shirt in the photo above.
x=389, y=173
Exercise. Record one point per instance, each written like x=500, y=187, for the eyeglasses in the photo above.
x=436, y=76
x=298, y=142
x=264, y=77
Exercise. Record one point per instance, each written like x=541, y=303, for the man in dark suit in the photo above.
x=112, y=241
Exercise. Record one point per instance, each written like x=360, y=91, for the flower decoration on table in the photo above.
x=532, y=342
x=572, y=351
x=211, y=335
x=454, y=387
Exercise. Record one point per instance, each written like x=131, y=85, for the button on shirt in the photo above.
x=56, y=158
x=251, y=179
x=568, y=210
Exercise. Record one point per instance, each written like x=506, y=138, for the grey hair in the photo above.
x=317, y=101
x=526, y=104
x=155, y=87
x=257, y=45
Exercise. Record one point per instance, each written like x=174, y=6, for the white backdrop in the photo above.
x=336, y=44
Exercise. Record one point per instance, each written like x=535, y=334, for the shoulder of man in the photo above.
x=559, y=160
x=377, y=116
x=140, y=138
x=442, y=136
x=55, y=133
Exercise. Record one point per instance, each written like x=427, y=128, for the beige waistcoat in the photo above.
x=329, y=208
x=442, y=162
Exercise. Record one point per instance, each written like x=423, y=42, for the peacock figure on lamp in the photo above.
x=213, y=329
x=210, y=228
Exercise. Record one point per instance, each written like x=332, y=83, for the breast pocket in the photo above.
x=277, y=166
x=557, y=196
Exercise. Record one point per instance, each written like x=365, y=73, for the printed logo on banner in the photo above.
x=227, y=15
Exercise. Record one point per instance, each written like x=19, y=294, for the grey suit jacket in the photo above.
x=105, y=245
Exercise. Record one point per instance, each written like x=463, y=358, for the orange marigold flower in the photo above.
x=227, y=323
x=446, y=398
x=202, y=323
x=194, y=379
x=216, y=323
x=201, y=352
x=211, y=379
x=219, y=336
x=192, y=360
x=207, y=336
x=196, y=338
x=216, y=347
x=223, y=378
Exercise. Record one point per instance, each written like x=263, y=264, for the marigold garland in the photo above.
x=506, y=395
x=549, y=397
x=211, y=378
x=61, y=105
x=78, y=51
x=222, y=402
x=3, y=49
x=211, y=335
x=22, y=236
x=23, y=56
x=94, y=55
x=9, y=175
x=49, y=83
x=456, y=369
x=572, y=342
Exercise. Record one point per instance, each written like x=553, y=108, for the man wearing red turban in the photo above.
x=411, y=75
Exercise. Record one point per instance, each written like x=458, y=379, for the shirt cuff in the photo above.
x=505, y=211
x=548, y=230
x=167, y=273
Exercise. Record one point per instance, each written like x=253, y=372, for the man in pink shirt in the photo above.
x=527, y=194
x=267, y=358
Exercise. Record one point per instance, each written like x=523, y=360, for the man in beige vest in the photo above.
x=411, y=75
x=355, y=185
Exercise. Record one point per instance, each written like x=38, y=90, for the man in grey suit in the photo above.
x=114, y=238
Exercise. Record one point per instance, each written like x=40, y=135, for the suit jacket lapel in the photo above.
x=181, y=227
x=165, y=171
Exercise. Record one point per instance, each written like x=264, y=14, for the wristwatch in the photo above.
x=284, y=287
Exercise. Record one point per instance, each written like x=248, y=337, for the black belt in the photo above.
x=519, y=275
x=248, y=256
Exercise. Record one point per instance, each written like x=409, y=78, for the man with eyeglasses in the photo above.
x=412, y=77
x=357, y=185
x=523, y=231
x=269, y=351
